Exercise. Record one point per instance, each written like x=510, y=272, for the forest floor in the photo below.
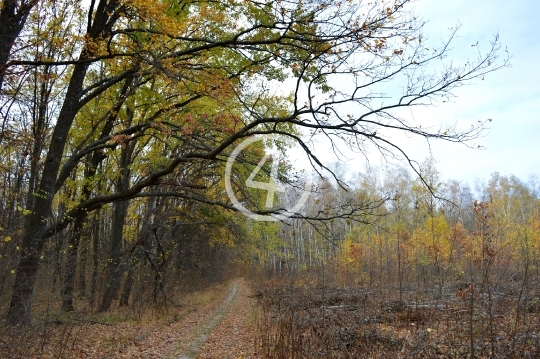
x=304, y=319
x=296, y=318
x=216, y=323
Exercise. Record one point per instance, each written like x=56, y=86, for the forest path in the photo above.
x=217, y=322
x=233, y=337
x=221, y=329
x=201, y=333
x=227, y=333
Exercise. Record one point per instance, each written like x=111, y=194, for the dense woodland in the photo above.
x=118, y=117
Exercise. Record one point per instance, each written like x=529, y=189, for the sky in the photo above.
x=509, y=97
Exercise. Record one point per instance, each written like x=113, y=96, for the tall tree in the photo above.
x=13, y=15
x=207, y=73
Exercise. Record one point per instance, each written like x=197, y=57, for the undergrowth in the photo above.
x=304, y=319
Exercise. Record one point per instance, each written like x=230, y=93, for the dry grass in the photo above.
x=306, y=320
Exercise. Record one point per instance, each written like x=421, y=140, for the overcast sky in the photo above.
x=510, y=97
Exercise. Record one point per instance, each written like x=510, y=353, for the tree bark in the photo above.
x=82, y=269
x=13, y=15
x=126, y=291
x=35, y=236
x=115, y=264
x=71, y=265
x=95, y=258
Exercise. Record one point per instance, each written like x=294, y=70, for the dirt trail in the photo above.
x=219, y=330
x=203, y=331
x=233, y=337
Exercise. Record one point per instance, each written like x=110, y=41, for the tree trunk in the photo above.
x=35, y=236
x=82, y=270
x=23, y=289
x=12, y=19
x=112, y=286
x=71, y=265
x=95, y=260
x=126, y=291
x=89, y=173
x=115, y=265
